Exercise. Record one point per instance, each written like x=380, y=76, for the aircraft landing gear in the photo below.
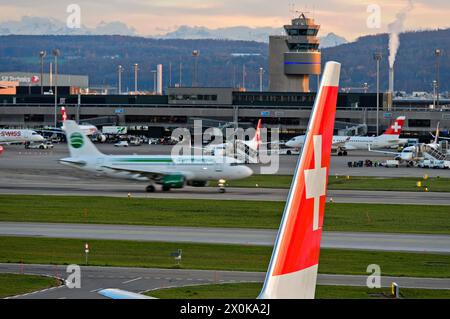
x=345, y=153
x=166, y=188
x=150, y=189
x=221, y=185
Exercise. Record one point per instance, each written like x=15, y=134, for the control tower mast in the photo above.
x=294, y=56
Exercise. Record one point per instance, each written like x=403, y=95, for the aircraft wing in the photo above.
x=440, y=137
x=341, y=143
x=153, y=174
x=384, y=152
x=122, y=294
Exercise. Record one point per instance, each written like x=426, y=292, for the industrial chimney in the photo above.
x=159, y=79
x=390, y=95
x=391, y=81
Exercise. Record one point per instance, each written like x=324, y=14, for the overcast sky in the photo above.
x=152, y=17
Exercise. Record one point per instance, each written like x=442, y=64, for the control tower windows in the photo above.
x=302, y=32
x=303, y=46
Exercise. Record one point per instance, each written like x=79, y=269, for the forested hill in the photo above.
x=221, y=61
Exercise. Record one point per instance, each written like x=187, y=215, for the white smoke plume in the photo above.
x=394, y=30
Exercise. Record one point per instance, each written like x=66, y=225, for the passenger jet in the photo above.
x=167, y=171
x=343, y=144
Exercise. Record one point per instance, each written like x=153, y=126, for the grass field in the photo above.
x=212, y=213
x=354, y=183
x=212, y=257
x=14, y=284
x=251, y=291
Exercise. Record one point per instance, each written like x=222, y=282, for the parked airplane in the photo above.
x=87, y=129
x=19, y=136
x=227, y=148
x=167, y=171
x=415, y=153
x=343, y=144
x=292, y=272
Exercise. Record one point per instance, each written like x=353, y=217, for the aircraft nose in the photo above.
x=290, y=143
x=246, y=172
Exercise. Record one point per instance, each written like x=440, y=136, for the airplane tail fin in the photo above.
x=79, y=144
x=256, y=141
x=292, y=272
x=396, y=127
x=436, y=139
x=64, y=114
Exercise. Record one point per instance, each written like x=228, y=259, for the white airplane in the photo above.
x=19, y=136
x=343, y=144
x=292, y=272
x=418, y=152
x=87, y=129
x=227, y=148
x=167, y=171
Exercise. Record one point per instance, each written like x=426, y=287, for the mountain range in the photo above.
x=49, y=26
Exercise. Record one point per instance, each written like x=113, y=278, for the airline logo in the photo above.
x=10, y=133
x=76, y=140
x=396, y=127
x=1, y=149
x=293, y=269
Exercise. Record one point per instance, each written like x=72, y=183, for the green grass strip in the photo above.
x=14, y=284
x=210, y=257
x=426, y=219
x=251, y=291
x=409, y=184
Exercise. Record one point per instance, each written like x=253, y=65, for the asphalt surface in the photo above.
x=140, y=280
x=41, y=184
x=16, y=158
x=338, y=240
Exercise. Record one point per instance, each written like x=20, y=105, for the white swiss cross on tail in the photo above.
x=316, y=180
x=293, y=268
x=396, y=127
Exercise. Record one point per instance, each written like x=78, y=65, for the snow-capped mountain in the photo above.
x=243, y=33
x=49, y=26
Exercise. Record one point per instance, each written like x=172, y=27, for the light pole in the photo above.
x=244, y=74
x=42, y=55
x=181, y=75
x=196, y=55
x=136, y=67
x=261, y=73
x=377, y=56
x=438, y=54
x=170, y=74
x=120, y=71
x=434, y=93
x=56, y=54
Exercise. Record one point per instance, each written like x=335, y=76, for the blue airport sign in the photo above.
x=119, y=111
x=265, y=113
x=387, y=115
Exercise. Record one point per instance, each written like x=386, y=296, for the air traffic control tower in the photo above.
x=294, y=57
